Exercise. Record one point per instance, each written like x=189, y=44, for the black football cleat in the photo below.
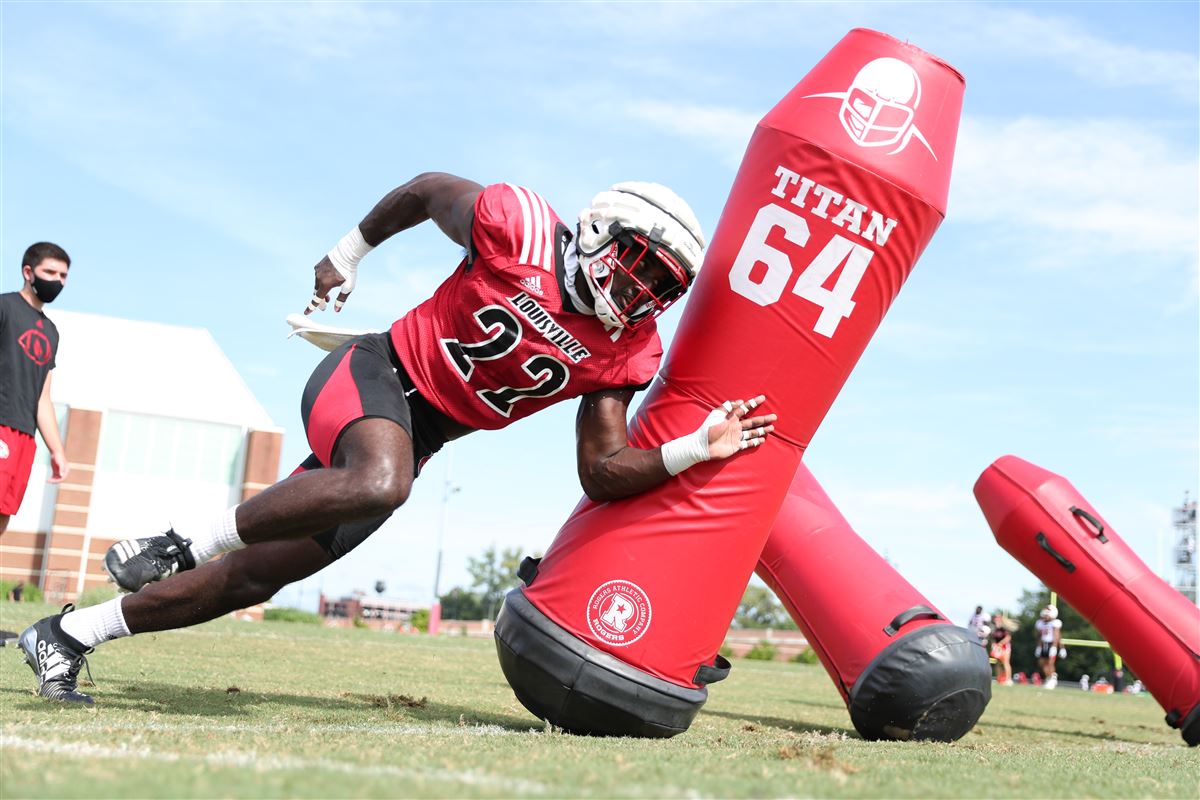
x=55, y=659
x=135, y=562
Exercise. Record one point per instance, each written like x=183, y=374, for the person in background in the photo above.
x=28, y=345
x=1000, y=641
x=977, y=622
x=1049, y=630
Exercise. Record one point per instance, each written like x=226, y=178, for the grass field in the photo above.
x=237, y=709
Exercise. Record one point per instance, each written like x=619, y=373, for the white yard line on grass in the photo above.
x=266, y=763
x=407, y=729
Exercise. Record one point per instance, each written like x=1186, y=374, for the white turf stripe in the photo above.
x=369, y=728
x=527, y=218
x=264, y=762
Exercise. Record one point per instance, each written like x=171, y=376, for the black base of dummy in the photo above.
x=932, y=684
x=580, y=689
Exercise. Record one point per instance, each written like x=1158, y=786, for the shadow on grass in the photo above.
x=152, y=697
x=783, y=724
x=1104, y=737
x=426, y=710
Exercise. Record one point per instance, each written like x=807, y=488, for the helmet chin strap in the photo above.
x=579, y=292
x=595, y=270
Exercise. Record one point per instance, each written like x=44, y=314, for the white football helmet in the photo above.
x=1050, y=612
x=648, y=233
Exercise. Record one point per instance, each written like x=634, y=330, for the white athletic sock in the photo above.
x=95, y=624
x=221, y=537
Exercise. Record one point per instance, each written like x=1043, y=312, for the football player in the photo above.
x=1049, y=646
x=537, y=312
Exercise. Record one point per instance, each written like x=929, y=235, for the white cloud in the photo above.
x=723, y=131
x=316, y=31
x=161, y=143
x=1098, y=186
x=938, y=508
x=1101, y=61
x=921, y=340
x=1167, y=430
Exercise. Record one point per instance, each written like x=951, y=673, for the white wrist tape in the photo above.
x=350, y=250
x=687, y=451
x=345, y=255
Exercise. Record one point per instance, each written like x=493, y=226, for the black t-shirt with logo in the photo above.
x=28, y=344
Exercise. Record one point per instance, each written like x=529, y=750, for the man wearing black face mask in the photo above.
x=28, y=345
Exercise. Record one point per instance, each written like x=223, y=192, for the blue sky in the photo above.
x=197, y=159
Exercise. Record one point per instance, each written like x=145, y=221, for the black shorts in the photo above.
x=364, y=379
x=1046, y=650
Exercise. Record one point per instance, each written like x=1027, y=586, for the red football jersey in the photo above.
x=500, y=338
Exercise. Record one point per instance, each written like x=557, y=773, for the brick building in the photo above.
x=156, y=422
x=376, y=612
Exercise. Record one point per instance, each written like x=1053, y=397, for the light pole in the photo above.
x=448, y=488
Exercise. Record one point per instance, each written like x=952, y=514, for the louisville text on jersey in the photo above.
x=544, y=324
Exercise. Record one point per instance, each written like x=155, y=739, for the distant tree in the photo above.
x=458, y=603
x=806, y=656
x=492, y=574
x=1093, y=661
x=763, y=651
x=760, y=609
x=291, y=615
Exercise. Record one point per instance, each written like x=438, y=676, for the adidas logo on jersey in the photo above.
x=534, y=284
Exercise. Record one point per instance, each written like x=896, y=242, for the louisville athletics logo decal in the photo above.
x=36, y=345
x=879, y=108
x=618, y=613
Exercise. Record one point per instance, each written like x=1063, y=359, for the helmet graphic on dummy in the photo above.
x=878, y=109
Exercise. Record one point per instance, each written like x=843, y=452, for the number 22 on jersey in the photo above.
x=503, y=332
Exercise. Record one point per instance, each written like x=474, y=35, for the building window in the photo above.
x=153, y=472
x=140, y=444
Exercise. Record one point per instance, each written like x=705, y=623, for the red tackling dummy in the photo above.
x=842, y=186
x=1043, y=522
x=903, y=670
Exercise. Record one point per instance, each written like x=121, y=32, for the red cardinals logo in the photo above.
x=618, y=613
x=37, y=346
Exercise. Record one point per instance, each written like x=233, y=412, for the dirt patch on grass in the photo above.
x=389, y=701
x=821, y=758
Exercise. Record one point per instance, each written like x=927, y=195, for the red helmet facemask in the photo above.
x=637, y=276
